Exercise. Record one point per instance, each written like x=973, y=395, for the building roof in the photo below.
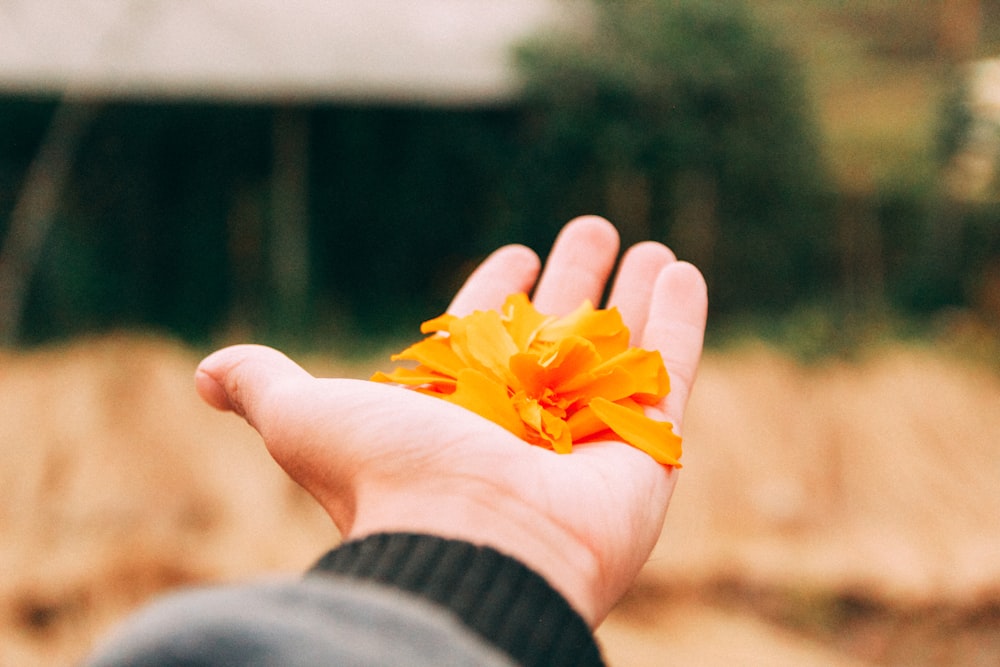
x=425, y=51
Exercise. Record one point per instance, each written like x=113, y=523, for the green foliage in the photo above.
x=694, y=108
x=949, y=220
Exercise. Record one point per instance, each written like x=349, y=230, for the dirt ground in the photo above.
x=835, y=514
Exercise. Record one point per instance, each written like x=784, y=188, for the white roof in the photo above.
x=431, y=51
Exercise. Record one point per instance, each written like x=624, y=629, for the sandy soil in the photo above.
x=837, y=514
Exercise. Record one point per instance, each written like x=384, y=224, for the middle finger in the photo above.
x=578, y=266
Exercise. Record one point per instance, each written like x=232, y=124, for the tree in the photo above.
x=685, y=121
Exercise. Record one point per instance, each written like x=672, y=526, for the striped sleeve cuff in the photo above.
x=494, y=595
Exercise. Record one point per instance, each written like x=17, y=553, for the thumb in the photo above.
x=241, y=378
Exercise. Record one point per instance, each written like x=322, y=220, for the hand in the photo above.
x=381, y=458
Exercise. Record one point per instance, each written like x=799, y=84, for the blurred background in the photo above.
x=322, y=176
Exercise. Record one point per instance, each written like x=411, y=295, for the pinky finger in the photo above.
x=676, y=327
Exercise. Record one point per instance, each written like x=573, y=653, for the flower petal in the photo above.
x=439, y=323
x=656, y=438
x=585, y=424
x=614, y=384
x=417, y=377
x=481, y=342
x=530, y=374
x=489, y=399
x=521, y=320
x=604, y=328
x=436, y=353
x=550, y=381
x=557, y=433
x=566, y=362
x=649, y=376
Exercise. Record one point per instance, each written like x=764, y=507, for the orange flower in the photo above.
x=550, y=381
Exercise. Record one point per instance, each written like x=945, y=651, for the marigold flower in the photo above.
x=551, y=381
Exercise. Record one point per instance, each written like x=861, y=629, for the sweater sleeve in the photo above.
x=492, y=594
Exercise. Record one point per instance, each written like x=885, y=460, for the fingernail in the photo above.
x=211, y=391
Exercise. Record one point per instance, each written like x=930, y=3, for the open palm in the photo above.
x=381, y=458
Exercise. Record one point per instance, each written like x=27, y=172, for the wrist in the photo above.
x=482, y=515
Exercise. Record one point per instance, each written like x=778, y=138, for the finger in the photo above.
x=506, y=271
x=281, y=401
x=676, y=327
x=242, y=378
x=632, y=290
x=578, y=266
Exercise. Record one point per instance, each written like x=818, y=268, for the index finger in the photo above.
x=506, y=271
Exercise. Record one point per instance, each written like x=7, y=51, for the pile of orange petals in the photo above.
x=550, y=381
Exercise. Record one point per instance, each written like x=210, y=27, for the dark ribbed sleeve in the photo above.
x=494, y=595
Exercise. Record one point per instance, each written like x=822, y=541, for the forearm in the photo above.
x=387, y=599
